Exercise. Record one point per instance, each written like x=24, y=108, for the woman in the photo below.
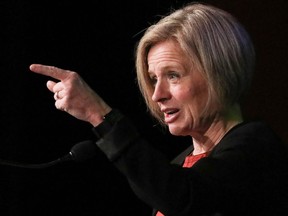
x=193, y=67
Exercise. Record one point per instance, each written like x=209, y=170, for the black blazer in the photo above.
x=245, y=174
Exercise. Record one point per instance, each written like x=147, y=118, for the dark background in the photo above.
x=97, y=39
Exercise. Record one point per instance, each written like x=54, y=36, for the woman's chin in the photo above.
x=176, y=131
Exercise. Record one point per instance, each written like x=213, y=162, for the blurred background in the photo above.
x=97, y=39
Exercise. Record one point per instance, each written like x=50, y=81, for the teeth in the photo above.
x=171, y=112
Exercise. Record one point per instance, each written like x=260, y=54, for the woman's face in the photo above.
x=179, y=89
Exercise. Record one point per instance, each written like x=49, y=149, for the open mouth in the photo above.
x=170, y=115
x=170, y=112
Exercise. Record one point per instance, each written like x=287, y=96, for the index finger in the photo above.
x=51, y=71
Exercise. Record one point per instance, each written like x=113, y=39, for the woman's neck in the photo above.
x=208, y=139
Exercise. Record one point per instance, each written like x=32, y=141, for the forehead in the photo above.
x=168, y=48
x=166, y=52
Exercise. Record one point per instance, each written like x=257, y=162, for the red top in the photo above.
x=189, y=161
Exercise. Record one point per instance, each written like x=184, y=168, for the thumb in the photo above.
x=50, y=85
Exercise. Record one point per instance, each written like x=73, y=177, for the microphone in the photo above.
x=79, y=152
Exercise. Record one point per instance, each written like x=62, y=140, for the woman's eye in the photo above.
x=153, y=80
x=173, y=76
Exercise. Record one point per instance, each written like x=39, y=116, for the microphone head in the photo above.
x=83, y=151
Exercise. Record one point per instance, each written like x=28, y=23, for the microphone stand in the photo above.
x=79, y=152
x=35, y=166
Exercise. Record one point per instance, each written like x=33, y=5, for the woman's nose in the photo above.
x=161, y=92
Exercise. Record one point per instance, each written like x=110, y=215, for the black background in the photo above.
x=97, y=39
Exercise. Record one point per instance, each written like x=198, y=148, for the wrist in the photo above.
x=97, y=119
x=107, y=123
